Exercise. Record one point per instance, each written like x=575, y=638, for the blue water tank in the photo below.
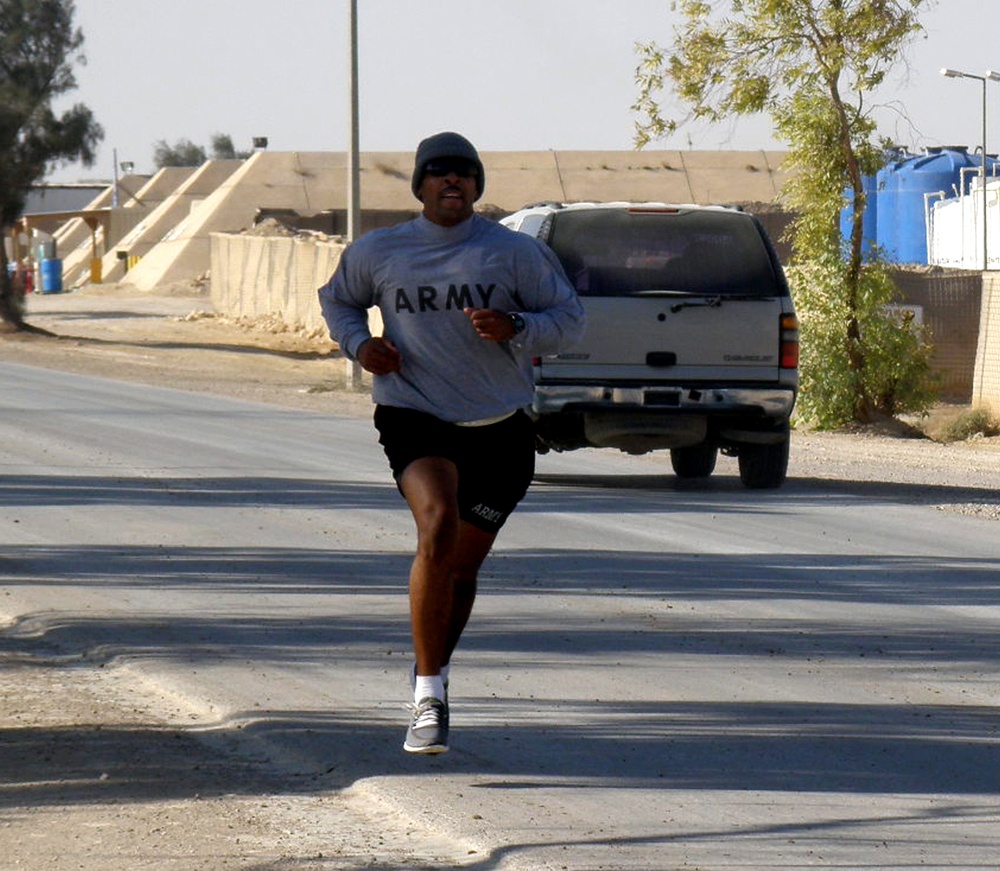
x=902, y=227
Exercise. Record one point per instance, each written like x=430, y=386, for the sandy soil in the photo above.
x=172, y=337
x=92, y=778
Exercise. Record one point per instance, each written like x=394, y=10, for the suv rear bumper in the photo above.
x=769, y=402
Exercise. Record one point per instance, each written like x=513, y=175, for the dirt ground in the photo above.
x=92, y=776
x=172, y=337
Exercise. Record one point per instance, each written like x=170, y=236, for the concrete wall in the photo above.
x=986, y=389
x=254, y=276
x=950, y=300
x=515, y=178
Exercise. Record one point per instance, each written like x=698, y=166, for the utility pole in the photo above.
x=353, y=155
x=354, y=372
x=114, y=170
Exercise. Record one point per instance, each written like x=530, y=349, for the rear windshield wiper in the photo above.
x=694, y=299
x=703, y=302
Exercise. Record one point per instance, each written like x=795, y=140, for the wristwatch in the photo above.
x=517, y=322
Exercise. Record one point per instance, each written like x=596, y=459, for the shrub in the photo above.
x=974, y=423
x=883, y=371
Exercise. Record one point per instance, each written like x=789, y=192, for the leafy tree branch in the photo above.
x=811, y=65
x=39, y=46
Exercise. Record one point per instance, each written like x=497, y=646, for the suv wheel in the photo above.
x=696, y=461
x=763, y=467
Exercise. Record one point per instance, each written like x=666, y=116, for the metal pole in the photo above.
x=992, y=76
x=114, y=190
x=353, y=371
x=986, y=261
x=353, y=156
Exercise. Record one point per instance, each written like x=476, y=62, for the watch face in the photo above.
x=518, y=323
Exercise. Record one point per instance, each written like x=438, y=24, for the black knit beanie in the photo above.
x=446, y=145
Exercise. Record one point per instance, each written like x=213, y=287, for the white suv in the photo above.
x=691, y=343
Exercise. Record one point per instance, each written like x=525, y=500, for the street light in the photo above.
x=988, y=76
x=354, y=149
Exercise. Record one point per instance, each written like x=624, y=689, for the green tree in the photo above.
x=185, y=153
x=223, y=148
x=182, y=153
x=812, y=65
x=38, y=47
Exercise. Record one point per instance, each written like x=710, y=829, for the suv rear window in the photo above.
x=619, y=252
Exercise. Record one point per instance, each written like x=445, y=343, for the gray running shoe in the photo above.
x=428, y=732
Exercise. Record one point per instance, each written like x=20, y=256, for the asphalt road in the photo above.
x=657, y=676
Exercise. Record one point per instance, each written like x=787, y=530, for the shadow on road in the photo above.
x=776, y=746
x=553, y=493
x=342, y=606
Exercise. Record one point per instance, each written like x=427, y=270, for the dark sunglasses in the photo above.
x=451, y=166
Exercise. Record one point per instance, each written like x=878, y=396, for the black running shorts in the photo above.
x=495, y=462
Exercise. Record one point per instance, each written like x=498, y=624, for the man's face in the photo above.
x=448, y=190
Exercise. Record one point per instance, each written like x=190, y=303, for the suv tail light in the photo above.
x=789, y=339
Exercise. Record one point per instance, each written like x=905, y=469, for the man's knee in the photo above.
x=437, y=533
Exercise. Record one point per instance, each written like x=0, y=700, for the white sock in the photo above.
x=445, y=671
x=428, y=686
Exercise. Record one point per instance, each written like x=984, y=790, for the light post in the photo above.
x=354, y=376
x=114, y=169
x=353, y=152
x=988, y=76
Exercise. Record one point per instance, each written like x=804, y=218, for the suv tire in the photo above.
x=763, y=467
x=696, y=461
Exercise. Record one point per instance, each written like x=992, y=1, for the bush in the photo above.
x=886, y=372
x=974, y=423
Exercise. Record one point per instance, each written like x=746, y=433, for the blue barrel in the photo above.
x=51, y=276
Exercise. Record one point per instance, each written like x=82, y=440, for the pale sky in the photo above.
x=513, y=75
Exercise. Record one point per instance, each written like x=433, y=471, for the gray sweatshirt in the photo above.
x=421, y=276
